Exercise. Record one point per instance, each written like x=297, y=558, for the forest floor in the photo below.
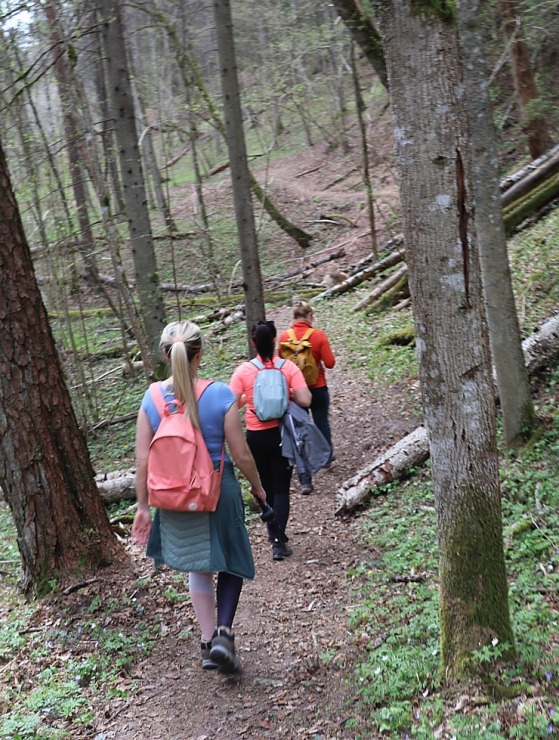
x=294, y=642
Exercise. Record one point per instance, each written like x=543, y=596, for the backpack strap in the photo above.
x=158, y=394
x=201, y=386
x=278, y=364
x=293, y=336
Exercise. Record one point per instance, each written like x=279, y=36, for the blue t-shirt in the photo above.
x=214, y=403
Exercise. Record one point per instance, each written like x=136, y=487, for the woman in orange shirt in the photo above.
x=263, y=437
x=324, y=358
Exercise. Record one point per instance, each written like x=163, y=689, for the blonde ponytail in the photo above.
x=181, y=341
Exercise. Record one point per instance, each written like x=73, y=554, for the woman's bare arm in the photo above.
x=240, y=451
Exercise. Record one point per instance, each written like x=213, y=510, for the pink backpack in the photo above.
x=181, y=474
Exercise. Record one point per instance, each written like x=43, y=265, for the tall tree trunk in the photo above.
x=504, y=331
x=240, y=176
x=430, y=125
x=73, y=135
x=146, y=142
x=208, y=250
x=151, y=307
x=45, y=469
x=535, y=125
x=360, y=109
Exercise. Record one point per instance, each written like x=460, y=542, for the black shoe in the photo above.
x=307, y=488
x=207, y=663
x=330, y=461
x=281, y=550
x=223, y=651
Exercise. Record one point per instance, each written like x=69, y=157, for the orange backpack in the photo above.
x=299, y=351
x=181, y=474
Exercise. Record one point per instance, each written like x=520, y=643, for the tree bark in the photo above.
x=73, y=136
x=535, y=125
x=360, y=109
x=151, y=307
x=451, y=335
x=512, y=380
x=240, y=176
x=45, y=469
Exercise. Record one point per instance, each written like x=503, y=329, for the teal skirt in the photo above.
x=205, y=542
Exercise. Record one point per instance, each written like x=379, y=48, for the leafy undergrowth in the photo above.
x=398, y=683
x=56, y=656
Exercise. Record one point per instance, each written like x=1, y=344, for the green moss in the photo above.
x=473, y=585
x=444, y=10
x=401, y=337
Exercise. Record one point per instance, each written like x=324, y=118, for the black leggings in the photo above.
x=274, y=470
x=228, y=594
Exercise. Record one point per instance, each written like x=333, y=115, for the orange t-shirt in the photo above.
x=242, y=385
x=320, y=345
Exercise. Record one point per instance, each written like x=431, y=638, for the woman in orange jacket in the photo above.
x=324, y=358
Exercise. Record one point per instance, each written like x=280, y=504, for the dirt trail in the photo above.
x=291, y=626
x=292, y=629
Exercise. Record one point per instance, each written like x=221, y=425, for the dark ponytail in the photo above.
x=263, y=335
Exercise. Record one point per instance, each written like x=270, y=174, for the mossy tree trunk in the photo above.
x=452, y=341
x=364, y=33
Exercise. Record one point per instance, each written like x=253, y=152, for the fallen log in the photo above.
x=522, y=194
x=390, y=282
x=532, y=204
x=527, y=171
x=306, y=270
x=409, y=452
x=117, y=485
x=389, y=261
x=540, y=349
x=176, y=157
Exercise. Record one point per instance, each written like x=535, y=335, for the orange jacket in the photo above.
x=322, y=352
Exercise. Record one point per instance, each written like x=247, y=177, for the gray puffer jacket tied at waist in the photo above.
x=302, y=442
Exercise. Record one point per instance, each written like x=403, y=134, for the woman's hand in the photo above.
x=259, y=493
x=141, y=526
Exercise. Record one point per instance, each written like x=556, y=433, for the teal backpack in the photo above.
x=270, y=391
